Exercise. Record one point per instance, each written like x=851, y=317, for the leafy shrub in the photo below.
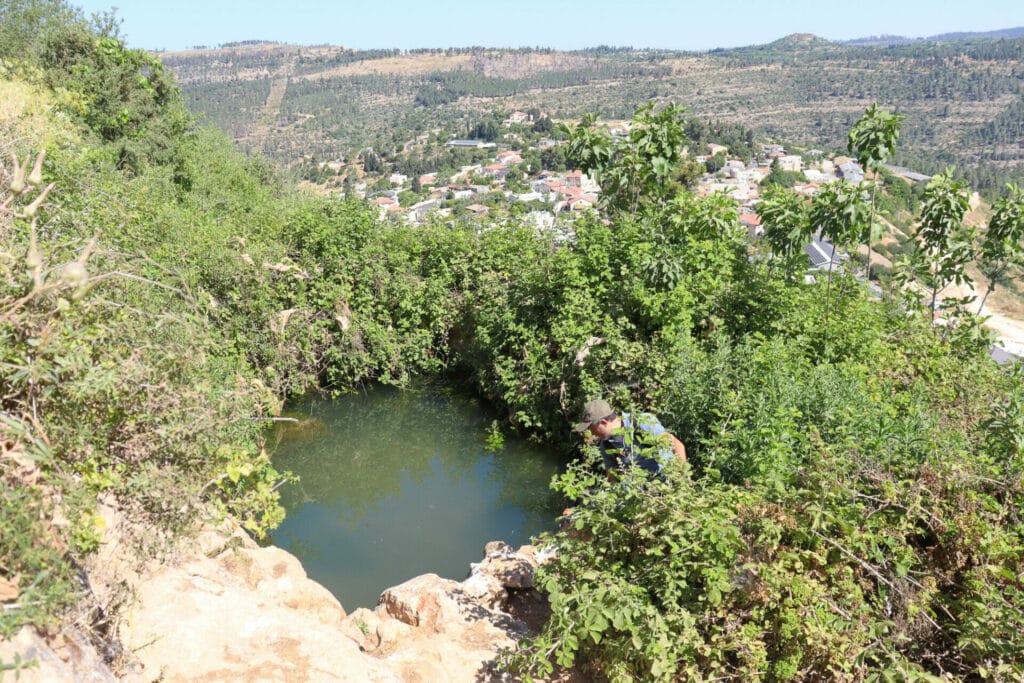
x=31, y=556
x=854, y=541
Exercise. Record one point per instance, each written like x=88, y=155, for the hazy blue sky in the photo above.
x=679, y=24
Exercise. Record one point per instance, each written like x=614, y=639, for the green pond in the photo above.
x=394, y=484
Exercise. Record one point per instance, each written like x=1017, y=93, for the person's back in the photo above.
x=625, y=441
x=639, y=442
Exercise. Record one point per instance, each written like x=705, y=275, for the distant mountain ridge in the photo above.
x=799, y=40
x=887, y=39
x=963, y=99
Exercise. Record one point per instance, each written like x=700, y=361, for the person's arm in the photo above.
x=678, y=449
x=608, y=460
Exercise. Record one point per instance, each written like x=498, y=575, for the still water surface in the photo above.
x=394, y=484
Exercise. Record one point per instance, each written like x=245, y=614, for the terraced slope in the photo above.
x=963, y=100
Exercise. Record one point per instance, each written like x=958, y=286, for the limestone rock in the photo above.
x=230, y=610
x=510, y=568
x=278, y=575
x=215, y=539
x=114, y=570
x=35, y=661
x=361, y=628
x=485, y=589
x=425, y=601
x=443, y=633
x=248, y=614
x=390, y=635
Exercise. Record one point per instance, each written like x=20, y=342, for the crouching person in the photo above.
x=627, y=441
x=630, y=440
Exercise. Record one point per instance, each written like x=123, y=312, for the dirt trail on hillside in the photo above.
x=1004, y=311
x=278, y=88
x=1009, y=331
x=1009, y=328
x=1003, y=316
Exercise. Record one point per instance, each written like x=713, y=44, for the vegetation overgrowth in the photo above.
x=851, y=507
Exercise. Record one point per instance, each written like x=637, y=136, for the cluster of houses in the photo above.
x=567, y=192
x=742, y=181
x=574, y=191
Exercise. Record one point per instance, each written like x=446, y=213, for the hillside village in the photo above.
x=551, y=198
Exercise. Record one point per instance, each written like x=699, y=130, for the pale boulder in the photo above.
x=71, y=659
x=512, y=569
x=222, y=608
x=246, y=615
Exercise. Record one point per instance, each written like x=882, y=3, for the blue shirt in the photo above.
x=643, y=444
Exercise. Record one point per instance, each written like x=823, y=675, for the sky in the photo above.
x=671, y=24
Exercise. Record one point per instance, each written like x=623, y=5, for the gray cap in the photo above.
x=595, y=411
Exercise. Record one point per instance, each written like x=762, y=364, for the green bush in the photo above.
x=848, y=524
x=32, y=559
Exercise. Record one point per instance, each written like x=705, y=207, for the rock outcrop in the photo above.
x=250, y=613
x=29, y=658
x=230, y=610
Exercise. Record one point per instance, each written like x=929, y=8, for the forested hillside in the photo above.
x=851, y=506
x=962, y=98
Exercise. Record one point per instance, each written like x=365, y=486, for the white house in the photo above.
x=516, y=117
x=791, y=162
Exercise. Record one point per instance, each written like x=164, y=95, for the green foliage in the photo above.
x=542, y=125
x=126, y=97
x=642, y=167
x=27, y=25
x=817, y=541
x=31, y=558
x=787, y=229
x=899, y=195
x=1003, y=246
x=945, y=244
x=99, y=332
x=872, y=138
x=851, y=505
x=822, y=541
x=842, y=213
x=247, y=488
x=485, y=130
x=371, y=161
x=1005, y=429
x=778, y=178
x=495, y=437
x=715, y=163
x=844, y=216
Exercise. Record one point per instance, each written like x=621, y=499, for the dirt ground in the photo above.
x=1004, y=311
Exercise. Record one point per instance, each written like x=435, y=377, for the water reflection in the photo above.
x=395, y=484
